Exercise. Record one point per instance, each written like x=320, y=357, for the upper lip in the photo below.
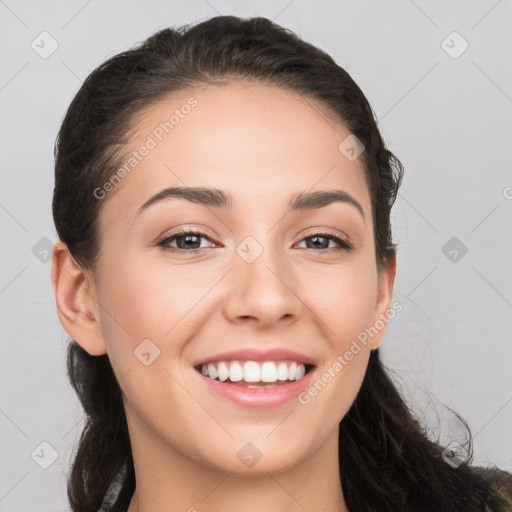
x=251, y=354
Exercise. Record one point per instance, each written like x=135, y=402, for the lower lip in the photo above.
x=258, y=398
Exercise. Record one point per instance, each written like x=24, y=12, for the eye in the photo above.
x=187, y=241
x=316, y=238
x=184, y=240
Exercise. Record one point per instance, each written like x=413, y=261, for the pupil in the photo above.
x=184, y=245
x=317, y=238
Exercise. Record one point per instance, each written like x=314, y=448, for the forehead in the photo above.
x=245, y=137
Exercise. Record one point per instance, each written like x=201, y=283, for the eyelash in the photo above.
x=344, y=245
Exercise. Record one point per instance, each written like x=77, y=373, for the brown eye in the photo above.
x=186, y=241
x=317, y=241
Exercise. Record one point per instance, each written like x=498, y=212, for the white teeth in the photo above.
x=254, y=372
x=236, y=372
x=223, y=371
x=292, y=371
x=268, y=372
x=282, y=371
x=212, y=371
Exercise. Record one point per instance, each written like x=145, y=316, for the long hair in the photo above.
x=387, y=461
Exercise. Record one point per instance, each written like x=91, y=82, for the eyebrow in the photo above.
x=216, y=198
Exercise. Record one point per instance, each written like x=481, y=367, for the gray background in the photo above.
x=446, y=116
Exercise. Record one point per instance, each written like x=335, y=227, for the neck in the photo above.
x=167, y=480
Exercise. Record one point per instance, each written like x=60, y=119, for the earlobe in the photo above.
x=76, y=301
x=383, y=305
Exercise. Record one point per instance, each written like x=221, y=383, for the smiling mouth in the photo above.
x=252, y=374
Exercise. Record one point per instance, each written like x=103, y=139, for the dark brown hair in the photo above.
x=387, y=462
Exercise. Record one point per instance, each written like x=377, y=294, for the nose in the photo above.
x=262, y=291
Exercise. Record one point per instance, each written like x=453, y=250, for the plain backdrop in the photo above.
x=438, y=75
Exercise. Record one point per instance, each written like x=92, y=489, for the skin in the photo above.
x=261, y=144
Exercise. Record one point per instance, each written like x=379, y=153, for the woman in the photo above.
x=225, y=270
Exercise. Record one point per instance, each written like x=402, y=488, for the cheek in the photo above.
x=149, y=301
x=344, y=300
x=158, y=303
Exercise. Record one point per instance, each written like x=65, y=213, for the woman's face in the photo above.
x=260, y=281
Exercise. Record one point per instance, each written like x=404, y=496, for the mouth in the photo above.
x=254, y=378
x=255, y=374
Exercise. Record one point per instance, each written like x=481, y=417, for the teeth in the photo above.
x=292, y=371
x=301, y=371
x=212, y=371
x=222, y=371
x=253, y=372
x=236, y=372
x=268, y=372
x=282, y=371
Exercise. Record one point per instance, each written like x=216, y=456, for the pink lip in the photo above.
x=258, y=398
x=249, y=354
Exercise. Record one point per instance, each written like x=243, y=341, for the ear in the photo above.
x=382, y=314
x=76, y=300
